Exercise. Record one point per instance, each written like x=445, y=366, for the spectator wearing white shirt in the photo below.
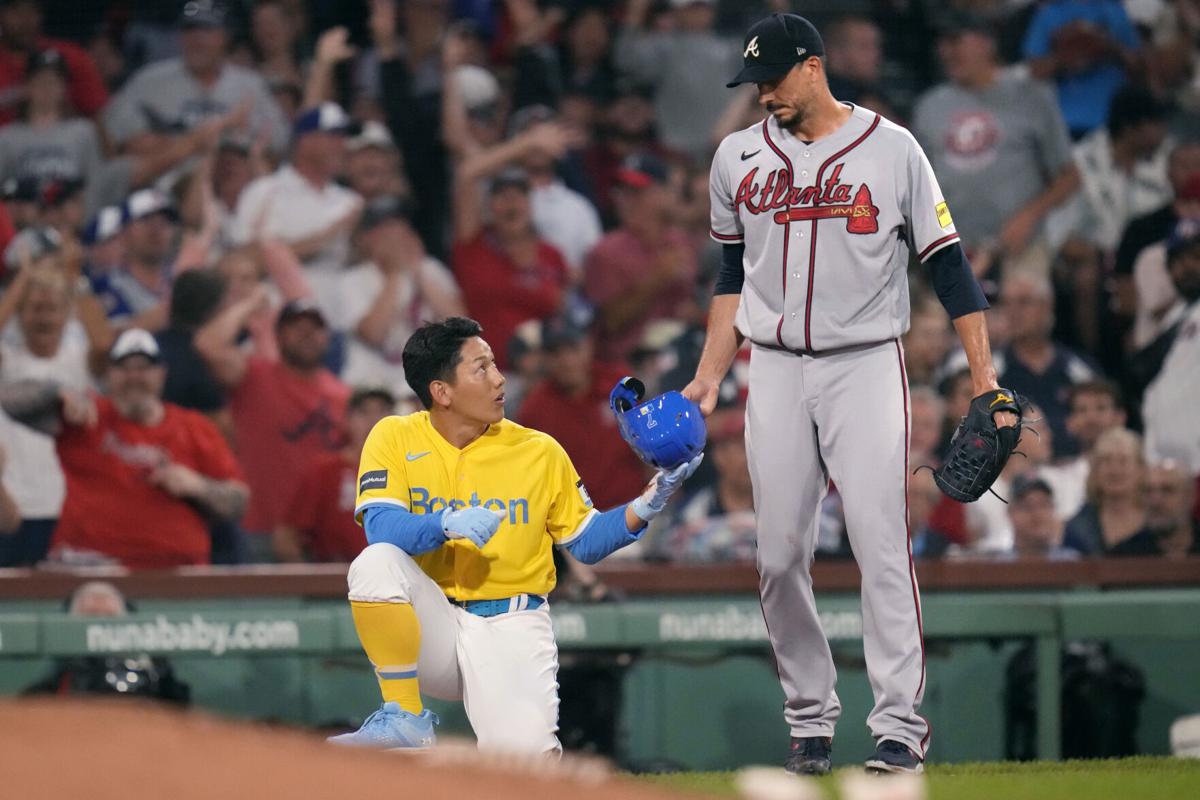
x=1171, y=422
x=42, y=298
x=384, y=299
x=164, y=100
x=302, y=205
x=1123, y=171
x=561, y=215
x=1159, y=306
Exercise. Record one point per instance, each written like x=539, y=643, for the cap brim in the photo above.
x=760, y=73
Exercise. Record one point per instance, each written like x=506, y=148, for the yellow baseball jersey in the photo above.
x=509, y=469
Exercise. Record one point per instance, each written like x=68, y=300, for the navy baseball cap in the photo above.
x=202, y=14
x=325, y=118
x=641, y=170
x=106, y=224
x=774, y=45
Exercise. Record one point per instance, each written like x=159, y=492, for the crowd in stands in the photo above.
x=222, y=219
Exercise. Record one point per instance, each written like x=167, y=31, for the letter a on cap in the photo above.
x=751, y=49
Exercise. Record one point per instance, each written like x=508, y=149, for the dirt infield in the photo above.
x=114, y=750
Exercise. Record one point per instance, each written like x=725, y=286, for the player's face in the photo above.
x=789, y=97
x=1091, y=415
x=477, y=393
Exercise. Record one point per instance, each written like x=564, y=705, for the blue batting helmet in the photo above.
x=665, y=432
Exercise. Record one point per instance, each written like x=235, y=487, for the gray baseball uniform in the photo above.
x=828, y=228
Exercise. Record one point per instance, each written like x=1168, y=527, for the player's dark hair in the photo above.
x=433, y=351
x=1101, y=387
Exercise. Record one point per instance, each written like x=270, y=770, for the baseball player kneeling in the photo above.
x=461, y=508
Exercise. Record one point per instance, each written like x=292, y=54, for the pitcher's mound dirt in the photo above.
x=115, y=750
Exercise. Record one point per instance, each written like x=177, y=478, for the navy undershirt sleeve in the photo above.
x=732, y=274
x=954, y=282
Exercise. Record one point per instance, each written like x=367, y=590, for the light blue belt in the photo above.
x=505, y=605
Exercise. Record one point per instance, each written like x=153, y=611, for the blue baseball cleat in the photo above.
x=393, y=728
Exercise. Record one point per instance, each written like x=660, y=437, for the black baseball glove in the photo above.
x=979, y=450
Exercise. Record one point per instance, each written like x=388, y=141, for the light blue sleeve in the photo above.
x=605, y=534
x=413, y=533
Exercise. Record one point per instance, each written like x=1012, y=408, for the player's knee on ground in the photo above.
x=380, y=574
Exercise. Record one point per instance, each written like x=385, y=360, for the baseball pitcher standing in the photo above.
x=819, y=207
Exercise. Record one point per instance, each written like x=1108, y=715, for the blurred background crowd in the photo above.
x=221, y=221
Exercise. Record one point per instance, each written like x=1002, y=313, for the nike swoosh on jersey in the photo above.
x=746, y=155
x=415, y=456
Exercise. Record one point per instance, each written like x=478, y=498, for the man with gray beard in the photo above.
x=144, y=478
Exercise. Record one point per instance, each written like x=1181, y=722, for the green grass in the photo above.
x=1141, y=778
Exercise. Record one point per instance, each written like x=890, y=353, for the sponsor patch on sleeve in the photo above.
x=375, y=479
x=943, y=212
x=583, y=493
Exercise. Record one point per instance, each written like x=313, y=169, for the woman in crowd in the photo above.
x=1115, y=511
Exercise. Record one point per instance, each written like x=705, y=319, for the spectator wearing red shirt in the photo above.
x=286, y=413
x=318, y=524
x=20, y=37
x=571, y=404
x=644, y=270
x=508, y=274
x=144, y=478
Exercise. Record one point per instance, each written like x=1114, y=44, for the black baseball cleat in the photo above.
x=809, y=756
x=892, y=756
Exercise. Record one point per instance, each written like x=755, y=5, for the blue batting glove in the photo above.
x=473, y=522
x=664, y=484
